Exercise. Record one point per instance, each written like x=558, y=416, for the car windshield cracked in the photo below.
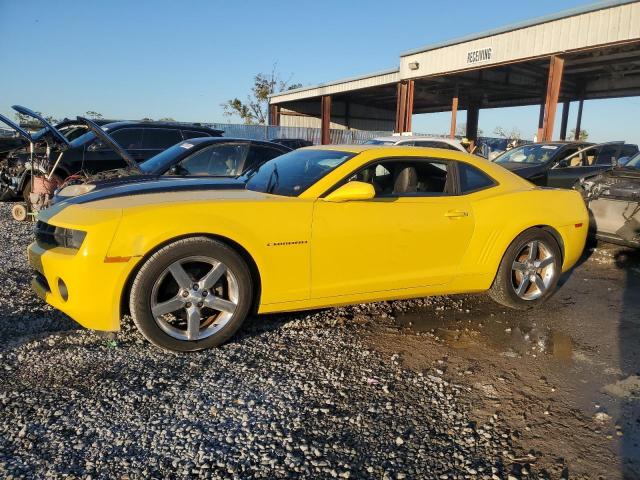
x=291, y=174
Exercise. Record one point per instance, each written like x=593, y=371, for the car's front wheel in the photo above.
x=191, y=295
x=529, y=271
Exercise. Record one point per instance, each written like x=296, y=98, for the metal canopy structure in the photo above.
x=592, y=52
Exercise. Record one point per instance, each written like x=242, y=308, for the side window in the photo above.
x=434, y=144
x=404, y=178
x=259, y=154
x=472, y=179
x=224, y=160
x=628, y=150
x=606, y=155
x=574, y=161
x=590, y=157
x=128, y=138
x=160, y=138
x=186, y=134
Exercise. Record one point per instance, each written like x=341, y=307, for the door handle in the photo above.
x=456, y=214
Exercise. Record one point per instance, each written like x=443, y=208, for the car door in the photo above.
x=588, y=161
x=99, y=157
x=414, y=233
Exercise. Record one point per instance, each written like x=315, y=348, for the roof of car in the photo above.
x=199, y=140
x=182, y=126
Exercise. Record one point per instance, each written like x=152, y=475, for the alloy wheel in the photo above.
x=533, y=270
x=194, y=297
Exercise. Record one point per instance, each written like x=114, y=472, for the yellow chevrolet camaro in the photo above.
x=191, y=258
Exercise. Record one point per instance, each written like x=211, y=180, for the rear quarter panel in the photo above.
x=499, y=219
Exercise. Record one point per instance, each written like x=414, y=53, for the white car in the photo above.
x=419, y=141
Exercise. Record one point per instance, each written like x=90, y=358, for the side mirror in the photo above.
x=177, y=170
x=352, y=191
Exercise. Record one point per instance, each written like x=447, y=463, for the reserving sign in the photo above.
x=480, y=55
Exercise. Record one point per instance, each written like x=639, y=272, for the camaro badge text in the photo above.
x=285, y=244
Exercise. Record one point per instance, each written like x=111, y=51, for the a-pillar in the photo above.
x=274, y=115
x=325, y=120
x=554, y=82
x=404, y=106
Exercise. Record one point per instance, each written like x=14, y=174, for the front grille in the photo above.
x=45, y=234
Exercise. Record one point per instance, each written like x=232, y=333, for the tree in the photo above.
x=513, y=134
x=30, y=122
x=166, y=119
x=583, y=134
x=255, y=109
x=93, y=115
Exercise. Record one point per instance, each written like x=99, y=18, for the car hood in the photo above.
x=150, y=184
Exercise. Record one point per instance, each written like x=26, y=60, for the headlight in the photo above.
x=68, y=238
x=47, y=234
x=75, y=190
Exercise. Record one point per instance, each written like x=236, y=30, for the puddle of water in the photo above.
x=501, y=331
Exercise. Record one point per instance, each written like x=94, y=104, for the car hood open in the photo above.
x=108, y=140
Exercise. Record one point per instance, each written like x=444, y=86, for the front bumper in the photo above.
x=82, y=283
x=93, y=288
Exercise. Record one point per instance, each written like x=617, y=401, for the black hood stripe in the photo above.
x=163, y=186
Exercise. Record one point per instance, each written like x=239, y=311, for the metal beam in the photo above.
x=274, y=115
x=404, y=106
x=325, y=120
x=565, y=119
x=473, y=113
x=578, y=120
x=556, y=66
x=454, y=112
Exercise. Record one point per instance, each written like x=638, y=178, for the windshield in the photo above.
x=294, y=172
x=535, y=154
x=373, y=141
x=634, y=162
x=160, y=162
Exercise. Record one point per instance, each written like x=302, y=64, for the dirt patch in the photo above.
x=564, y=377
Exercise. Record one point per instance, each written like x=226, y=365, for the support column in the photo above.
x=579, y=120
x=274, y=115
x=325, y=120
x=404, y=106
x=454, y=113
x=473, y=113
x=556, y=67
x=564, y=120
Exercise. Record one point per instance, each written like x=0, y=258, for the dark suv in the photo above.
x=86, y=154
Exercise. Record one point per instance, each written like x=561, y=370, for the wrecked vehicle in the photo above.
x=191, y=258
x=561, y=164
x=86, y=155
x=613, y=200
x=203, y=156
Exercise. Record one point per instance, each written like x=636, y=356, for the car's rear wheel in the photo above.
x=191, y=295
x=529, y=271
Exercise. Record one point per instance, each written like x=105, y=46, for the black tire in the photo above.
x=503, y=290
x=152, y=269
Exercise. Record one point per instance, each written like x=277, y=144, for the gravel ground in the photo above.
x=291, y=396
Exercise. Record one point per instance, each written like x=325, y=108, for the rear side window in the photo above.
x=193, y=134
x=433, y=144
x=160, y=138
x=472, y=179
x=259, y=154
x=128, y=138
x=606, y=155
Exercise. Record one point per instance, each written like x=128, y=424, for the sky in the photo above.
x=182, y=59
